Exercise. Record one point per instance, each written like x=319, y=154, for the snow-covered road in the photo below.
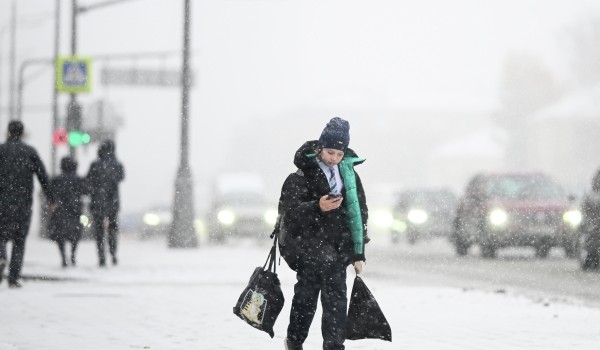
x=160, y=298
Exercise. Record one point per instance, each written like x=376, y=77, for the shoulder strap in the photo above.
x=275, y=232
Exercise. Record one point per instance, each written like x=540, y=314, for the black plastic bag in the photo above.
x=365, y=318
x=262, y=300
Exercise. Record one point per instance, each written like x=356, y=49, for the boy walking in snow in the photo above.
x=325, y=205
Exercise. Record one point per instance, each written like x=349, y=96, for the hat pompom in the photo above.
x=336, y=134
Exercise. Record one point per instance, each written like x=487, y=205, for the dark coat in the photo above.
x=68, y=190
x=325, y=235
x=103, y=179
x=18, y=163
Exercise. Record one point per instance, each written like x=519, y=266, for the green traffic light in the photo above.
x=78, y=138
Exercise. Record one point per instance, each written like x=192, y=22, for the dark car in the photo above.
x=589, y=232
x=423, y=213
x=510, y=209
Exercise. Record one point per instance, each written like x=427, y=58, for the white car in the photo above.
x=156, y=222
x=240, y=214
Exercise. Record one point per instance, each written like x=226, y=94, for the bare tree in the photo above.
x=582, y=41
x=527, y=86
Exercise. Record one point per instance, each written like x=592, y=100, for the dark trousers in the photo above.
x=113, y=230
x=329, y=279
x=61, y=247
x=19, y=232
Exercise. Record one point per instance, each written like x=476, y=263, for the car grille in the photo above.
x=552, y=219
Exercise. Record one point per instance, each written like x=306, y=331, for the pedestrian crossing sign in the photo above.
x=73, y=74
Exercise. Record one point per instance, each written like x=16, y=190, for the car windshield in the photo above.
x=427, y=199
x=523, y=187
x=242, y=199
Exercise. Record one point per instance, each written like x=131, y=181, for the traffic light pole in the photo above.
x=55, y=87
x=73, y=108
x=74, y=114
x=182, y=234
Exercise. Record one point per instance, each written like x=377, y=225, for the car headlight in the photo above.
x=498, y=217
x=226, y=217
x=417, y=216
x=383, y=218
x=151, y=219
x=271, y=216
x=398, y=226
x=572, y=217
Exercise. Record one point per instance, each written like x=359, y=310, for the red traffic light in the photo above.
x=59, y=137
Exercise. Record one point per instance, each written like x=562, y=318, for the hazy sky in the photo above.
x=256, y=60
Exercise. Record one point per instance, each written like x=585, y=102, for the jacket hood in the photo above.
x=306, y=156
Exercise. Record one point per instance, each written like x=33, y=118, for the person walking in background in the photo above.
x=19, y=162
x=324, y=203
x=65, y=225
x=103, y=178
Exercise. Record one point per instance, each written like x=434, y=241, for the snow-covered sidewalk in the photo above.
x=160, y=298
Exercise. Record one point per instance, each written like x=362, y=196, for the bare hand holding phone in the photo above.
x=330, y=202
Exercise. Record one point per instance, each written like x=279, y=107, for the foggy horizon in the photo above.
x=416, y=81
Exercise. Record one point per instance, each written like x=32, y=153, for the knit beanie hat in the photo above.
x=336, y=134
x=68, y=165
x=106, y=149
x=15, y=129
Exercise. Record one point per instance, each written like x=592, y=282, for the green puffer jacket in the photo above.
x=351, y=202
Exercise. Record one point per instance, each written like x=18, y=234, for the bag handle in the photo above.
x=276, y=232
x=277, y=226
x=272, y=257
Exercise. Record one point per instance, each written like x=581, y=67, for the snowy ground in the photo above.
x=160, y=298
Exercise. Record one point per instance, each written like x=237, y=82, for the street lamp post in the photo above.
x=182, y=234
x=13, y=39
x=12, y=109
x=21, y=83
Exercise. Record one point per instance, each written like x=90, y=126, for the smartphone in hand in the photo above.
x=333, y=195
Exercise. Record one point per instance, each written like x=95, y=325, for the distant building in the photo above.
x=452, y=164
x=564, y=139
